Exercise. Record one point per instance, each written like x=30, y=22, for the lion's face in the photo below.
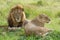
x=17, y=13
x=44, y=18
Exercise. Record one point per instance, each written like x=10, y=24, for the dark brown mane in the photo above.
x=16, y=7
x=12, y=15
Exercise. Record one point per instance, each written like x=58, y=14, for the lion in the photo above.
x=16, y=16
x=41, y=20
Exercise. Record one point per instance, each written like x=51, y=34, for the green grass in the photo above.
x=19, y=35
x=32, y=9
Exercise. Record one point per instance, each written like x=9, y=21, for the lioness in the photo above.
x=31, y=28
x=34, y=27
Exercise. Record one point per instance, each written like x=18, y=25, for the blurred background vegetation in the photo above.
x=32, y=9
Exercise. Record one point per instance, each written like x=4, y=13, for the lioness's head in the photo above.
x=43, y=18
x=17, y=12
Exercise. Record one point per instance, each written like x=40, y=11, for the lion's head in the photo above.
x=17, y=12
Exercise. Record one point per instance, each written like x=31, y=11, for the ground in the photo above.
x=32, y=9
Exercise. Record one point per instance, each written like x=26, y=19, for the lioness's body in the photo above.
x=36, y=26
x=32, y=28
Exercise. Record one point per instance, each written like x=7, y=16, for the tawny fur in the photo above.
x=16, y=10
x=30, y=27
x=41, y=20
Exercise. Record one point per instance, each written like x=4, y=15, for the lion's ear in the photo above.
x=22, y=9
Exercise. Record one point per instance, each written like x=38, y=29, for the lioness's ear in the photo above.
x=41, y=15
